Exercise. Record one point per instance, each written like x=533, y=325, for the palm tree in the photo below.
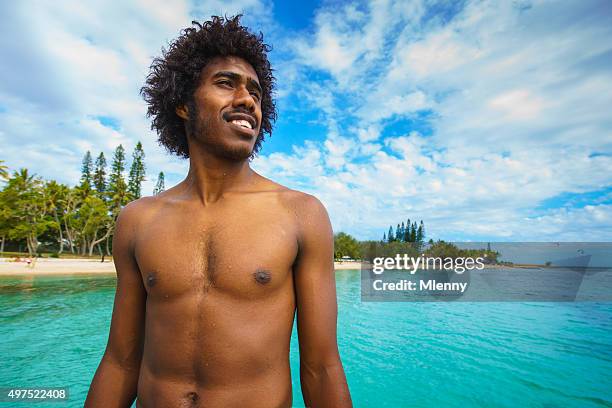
x=23, y=180
x=3, y=170
x=55, y=196
x=25, y=192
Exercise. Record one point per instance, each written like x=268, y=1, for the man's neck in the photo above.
x=211, y=176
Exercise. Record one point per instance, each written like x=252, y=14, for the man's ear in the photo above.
x=182, y=112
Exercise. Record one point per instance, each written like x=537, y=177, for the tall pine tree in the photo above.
x=86, y=172
x=407, y=231
x=420, y=234
x=117, y=188
x=137, y=173
x=99, y=177
x=159, y=186
x=390, y=236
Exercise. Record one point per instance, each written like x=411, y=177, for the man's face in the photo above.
x=227, y=105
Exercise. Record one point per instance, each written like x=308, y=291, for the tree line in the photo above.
x=408, y=238
x=406, y=233
x=46, y=215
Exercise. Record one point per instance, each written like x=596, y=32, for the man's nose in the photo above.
x=243, y=98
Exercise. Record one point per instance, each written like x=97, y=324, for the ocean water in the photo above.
x=54, y=329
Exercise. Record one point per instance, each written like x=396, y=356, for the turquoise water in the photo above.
x=53, y=333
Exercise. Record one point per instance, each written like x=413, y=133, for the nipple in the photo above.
x=262, y=276
x=151, y=279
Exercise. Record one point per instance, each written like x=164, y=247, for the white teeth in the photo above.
x=243, y=123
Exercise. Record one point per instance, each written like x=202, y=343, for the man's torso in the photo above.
x=220, y=300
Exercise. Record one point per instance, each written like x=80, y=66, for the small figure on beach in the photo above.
x=212, y=272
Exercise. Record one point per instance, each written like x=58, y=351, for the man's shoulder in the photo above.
x=135, y=212
x=303, y=204
x=313, y=226
x=306, y=208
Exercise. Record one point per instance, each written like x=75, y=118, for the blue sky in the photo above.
x=488, y=120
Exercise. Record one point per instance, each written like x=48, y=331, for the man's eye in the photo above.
x=224, y=82
x=256, y=95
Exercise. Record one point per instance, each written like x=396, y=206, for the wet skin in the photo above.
x=212, y=272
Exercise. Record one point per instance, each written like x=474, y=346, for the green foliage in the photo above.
x=99, y=177
x=420, y=233
x=117, y=188
x=373, y=249
x=159, y=186
x=91, y=216
x=444, y=249
x=55, y=196
x=406, y=236
x=137, y=173
x=80, y=218
x=118, y=165
x=3, y=170
x=346, y=245
x=86, y=172
x=6, y=214
x=408, y=233
x=24, y=196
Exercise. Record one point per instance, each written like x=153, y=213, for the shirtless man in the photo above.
x=211, y=272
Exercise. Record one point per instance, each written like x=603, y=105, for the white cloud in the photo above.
x=518, y=104
x=382, y=107
x=69, y=63
x=520, y=95
x=436, y=54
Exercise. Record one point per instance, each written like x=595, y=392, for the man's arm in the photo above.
x=321, y=373
x=116, y=380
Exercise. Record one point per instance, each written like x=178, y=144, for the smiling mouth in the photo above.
x=242, y=123
x=242, y=127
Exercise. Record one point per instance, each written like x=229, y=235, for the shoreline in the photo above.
x=55, y=266
x=82, y=266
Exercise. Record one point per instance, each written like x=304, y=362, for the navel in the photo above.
x=262, y=276
x=192, y=397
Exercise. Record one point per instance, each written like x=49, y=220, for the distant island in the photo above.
x=407, y=238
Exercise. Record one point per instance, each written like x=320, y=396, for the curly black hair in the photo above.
x=174, y=77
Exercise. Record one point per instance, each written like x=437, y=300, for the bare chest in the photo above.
x=245, y=254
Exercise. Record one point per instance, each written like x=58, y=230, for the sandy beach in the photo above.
x=347, y=265
x=54, y=266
